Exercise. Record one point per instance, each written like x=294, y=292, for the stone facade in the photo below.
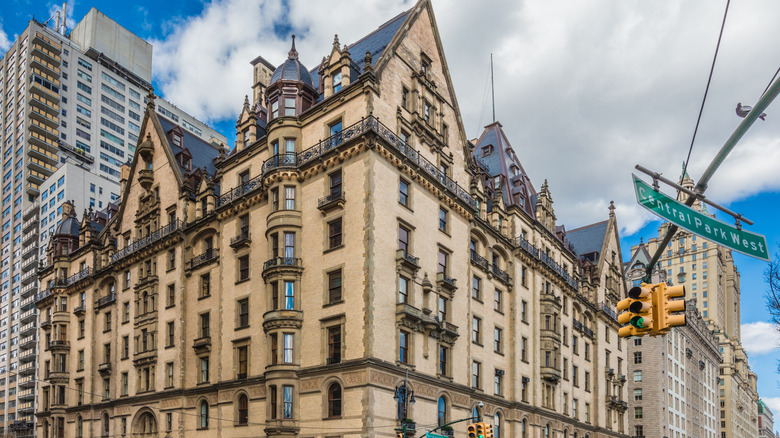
x=352, y=247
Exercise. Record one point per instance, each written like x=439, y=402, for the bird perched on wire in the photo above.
x=743, y=110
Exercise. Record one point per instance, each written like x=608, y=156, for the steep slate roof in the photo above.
x=500, y=161
x=588, y=239
x=375, y=42
x=203, y=153
x=641, y=255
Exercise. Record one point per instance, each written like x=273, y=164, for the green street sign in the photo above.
x=434, y=435
x=751, y=244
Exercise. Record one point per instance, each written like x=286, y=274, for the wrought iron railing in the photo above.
x=243, y=236
x=108, y=299
x=535, y=252
x=502, y=275
x=143, y=242
x=478, y=260
x=577, y=325
x=42, y=296
x=608, y=311
x=79, y=275
x=292, y=160
x=281, y=261
x=333, y=197
x=201, y=259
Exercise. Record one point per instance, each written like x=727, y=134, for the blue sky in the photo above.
x=584, y=92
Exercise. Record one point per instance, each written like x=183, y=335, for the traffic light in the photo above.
x=638, y=312
x=667, y=316
x=472, y=428
x=488, y=430
x=399, y=435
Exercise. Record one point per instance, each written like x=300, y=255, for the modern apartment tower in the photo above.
x=673, y=379
x=711, y=281
x=70, y=108
x=353, y=266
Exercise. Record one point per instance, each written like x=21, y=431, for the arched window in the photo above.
x=547, y=430
x=105, y=423
x=497, y=426
x=147, y=424
x=79, y=427
x=475, y=412
x=204, y=415
x=243, y=409
x=334, y=400
x=524, y=428
x=45, y=429
x=442, y=409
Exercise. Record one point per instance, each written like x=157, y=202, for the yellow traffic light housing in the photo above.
x=667, y=309
x=637, y=312
x=472, y=430
x=488, y=430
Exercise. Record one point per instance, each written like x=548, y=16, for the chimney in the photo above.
x=125, y=175
x=64, y=18
x=57, y=21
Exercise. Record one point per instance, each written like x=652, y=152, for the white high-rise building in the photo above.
x=70, y=113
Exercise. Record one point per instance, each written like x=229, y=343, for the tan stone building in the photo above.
x=354, y=247
x=711, y=281
x=673, y=379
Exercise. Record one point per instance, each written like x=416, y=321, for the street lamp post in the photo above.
x=403, y=398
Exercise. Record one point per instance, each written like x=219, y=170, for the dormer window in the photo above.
x=176, y=139
x=425, y=65
x=185, y=162
x=427, y=113
x=487, y=150
x=337, y=82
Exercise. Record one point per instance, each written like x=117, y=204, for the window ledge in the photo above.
x=333, y=249
x=243, y=327
x=170, y=306
x=203, y=297
x=242, y=281
x=335, y=303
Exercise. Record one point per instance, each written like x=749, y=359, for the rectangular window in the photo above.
x=442, y=220
x=497, y=346
x=335, y=133
x=287, y=393
x=476, y=328
x=170, y=334
x=289, y=295
x=243, y=361
x=169, y=375
x=289, y=198
x=334, y=345
x=476, y=288
x=243, y=313
x=443, y=353
x=497, y=300
x=205, y=321
x=403, y=239
x=524, y=349
x=204, y=369
x=403, y=193
x=403, y=290
x=475, y=371
x=288, y=348
x=497, y=382
x=443, y=259
x=334, y=287
x=403, y=350
x=289, y=106
x=243, y=268
x=334, y=234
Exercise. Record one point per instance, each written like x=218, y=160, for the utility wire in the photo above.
x=770, y=82
x=707, y=89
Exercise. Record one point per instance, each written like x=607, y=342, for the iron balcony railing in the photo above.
x=608, y=311
x=502, y=275
x=82, y=274
x=143, y=242
x=243, y=237
x=108, y=299
x=368, y=124
x=478, y=260
x=201, y=259
x=535, y=252
x=333, y=197
x=42, y=296
x=281, y=261
x=577, y=325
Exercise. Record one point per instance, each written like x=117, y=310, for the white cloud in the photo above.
x=70, y=22
x=5, y=42
x=773, y=403
x=760, y=338
x=585, y=90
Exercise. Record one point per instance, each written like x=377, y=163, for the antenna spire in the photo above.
x=492, y=87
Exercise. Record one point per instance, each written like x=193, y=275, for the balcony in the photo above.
x=202, y=344
x=282, y=264
x=29, y=263
x=282, y=319
x=28, y=369
x=32, y=275
x=27, y=341
x=58, y=377
x=550, y=374
x=501, y=275
x=144, y=242
x=58, y=344
x=210, y=255
x=27, y=355
x=79, y=310
x=615, y=403
x=342, y=139
x=243, y=239
x=31, y=211
x=30, y=237
x=446, y=283
x=536, y=253
x=32, y=189
x=105, y=301
x=608, y=311
x=146, y=178
x=29, y=290
x=28, y=315
x=479, y=261
x=142, y=358
x=407, y=260
x=26, y=328
x=82, y=274
x=47, y=42
x=334, y=200
x=104, y=368
x=28, y=303
x=28, y=381
x=424, y=321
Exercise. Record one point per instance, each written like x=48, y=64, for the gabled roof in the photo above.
x=588, y=239
x=640, y=256
x=500, y=162
x=376, y=41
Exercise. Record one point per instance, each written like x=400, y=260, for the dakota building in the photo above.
x=353, y=264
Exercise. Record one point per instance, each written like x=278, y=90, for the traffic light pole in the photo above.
x=701, y=186
x=474, y=419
